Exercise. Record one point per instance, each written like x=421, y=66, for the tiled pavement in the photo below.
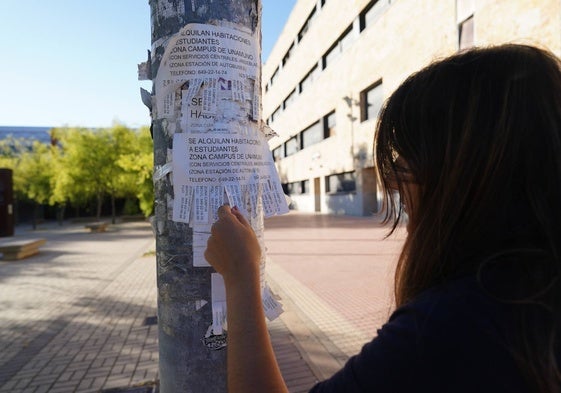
x=335, y=273
x=76, y=317
x=72, y=317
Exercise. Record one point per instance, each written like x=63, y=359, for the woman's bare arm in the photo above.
x=233, y=250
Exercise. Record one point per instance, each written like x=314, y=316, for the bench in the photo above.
x=18, y=249
x=133, y=218
x=100, y=226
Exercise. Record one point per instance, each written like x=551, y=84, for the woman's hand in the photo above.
x=233, y=249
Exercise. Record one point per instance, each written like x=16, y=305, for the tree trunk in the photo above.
x=99, y=203
x=113, y=214
x=35, y=214
x=60, y=213
x=186, y=364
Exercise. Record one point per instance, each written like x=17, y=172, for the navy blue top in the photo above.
x=450, y=339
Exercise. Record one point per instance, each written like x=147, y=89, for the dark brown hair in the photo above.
x=480, y=133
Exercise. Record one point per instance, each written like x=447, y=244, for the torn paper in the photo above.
x=218, y=295
x=205, y=167
x=208, y=90
x=226, y=56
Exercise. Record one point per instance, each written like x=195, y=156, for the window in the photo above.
x=465, y=33
x=329, y=122
x=291, y=146
x=288, y=100
x=277, y=153
x=312, y=135
x=341, y=44
x=305, y=186
x=465, y=10
x=288, y=53
x=298, y=187
x=371, y=100
x=341, y=182
x=275, y=114
x=274, y=76
x=307, y=24
x=347, y=38
x=308, y=79
x=331, y=55
x=371, y=12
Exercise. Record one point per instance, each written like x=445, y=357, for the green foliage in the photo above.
x=31, y=164
x=8, y=158
x=139, y=162
x=85, y=164
x=34, y=173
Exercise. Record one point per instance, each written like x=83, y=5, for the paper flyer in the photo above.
x=208, y=85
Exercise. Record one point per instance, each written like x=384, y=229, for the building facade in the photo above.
x=337, y=60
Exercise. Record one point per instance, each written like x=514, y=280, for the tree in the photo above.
x=80, y=178
x=34, y=175
x=90, y=165
x=138, y=163
x=10, y=148
x=8, y=159
x=119, y=182
x=80, y=165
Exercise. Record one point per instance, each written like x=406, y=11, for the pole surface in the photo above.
x=186, y=364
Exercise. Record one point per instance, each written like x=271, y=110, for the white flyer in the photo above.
x=208, y=86
x=205, y=51
x=218, y=295
x=241, y=167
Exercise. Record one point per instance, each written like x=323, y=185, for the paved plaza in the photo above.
x=335, y=275
x=80, y=316
x=73, y=317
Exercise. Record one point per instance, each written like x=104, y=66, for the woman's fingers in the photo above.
x=232, y=241
x=241, y=218
x=224, y=211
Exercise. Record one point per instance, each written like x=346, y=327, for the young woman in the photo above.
x=472, y=144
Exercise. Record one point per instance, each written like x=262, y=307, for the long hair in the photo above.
x=480, y=133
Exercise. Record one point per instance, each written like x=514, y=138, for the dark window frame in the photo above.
x=300, y=187
x=308, y=79
x=364, y=105
x=277, y=153
x=274, y=76
x=306, y=26
x=288, y=54
x=344, y=185
x=289, y=99
x=315, y=126
x=335, y=50
x=327, y=130
x=464, y=44
x=275, y=113
x=297, y=143
x=381, y=4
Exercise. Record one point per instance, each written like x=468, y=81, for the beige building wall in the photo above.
x=402, y=37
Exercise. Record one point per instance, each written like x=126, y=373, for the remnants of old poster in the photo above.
x=208, y=87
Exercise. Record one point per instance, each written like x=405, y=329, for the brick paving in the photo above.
x=337, y=273
x=73, y=318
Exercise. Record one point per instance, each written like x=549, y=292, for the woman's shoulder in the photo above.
x=460, y=297
x=459, y=312
x=450, y=338
x=460, y=330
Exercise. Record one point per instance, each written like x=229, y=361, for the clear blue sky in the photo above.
x=74, y=62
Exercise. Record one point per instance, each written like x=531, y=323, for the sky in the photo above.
x=74, y=62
